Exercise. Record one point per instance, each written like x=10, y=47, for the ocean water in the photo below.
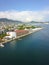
x=29, y=50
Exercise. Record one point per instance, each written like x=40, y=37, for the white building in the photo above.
x=11, y=34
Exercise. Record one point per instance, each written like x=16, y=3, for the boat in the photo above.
x=1, y=45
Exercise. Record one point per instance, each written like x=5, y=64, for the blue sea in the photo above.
x=29, y=50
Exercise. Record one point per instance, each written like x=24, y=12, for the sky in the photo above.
x=25, y=10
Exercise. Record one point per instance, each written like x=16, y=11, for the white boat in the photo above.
x=1, y=45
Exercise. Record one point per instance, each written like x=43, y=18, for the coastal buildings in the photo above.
x=11, y=34
x=21, y=32
x=2, y=31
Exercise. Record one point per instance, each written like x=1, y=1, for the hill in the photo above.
x=8, y=20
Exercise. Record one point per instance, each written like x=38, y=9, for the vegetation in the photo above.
x=22, y=27
x=33, y=27
x=2, y=35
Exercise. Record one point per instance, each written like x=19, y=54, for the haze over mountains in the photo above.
x=10, y=20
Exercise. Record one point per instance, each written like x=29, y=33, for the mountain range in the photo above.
x=8, y=20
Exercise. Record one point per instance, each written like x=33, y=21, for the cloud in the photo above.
x=26, y=16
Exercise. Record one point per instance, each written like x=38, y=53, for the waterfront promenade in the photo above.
x=33, y=30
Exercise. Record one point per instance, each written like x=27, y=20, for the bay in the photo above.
x=29, y=50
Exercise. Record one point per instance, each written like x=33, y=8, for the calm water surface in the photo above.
x=30, y=50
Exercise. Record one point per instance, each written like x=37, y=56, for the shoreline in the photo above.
x=33, y=30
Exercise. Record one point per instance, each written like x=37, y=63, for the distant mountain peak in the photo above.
x=8, y=20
